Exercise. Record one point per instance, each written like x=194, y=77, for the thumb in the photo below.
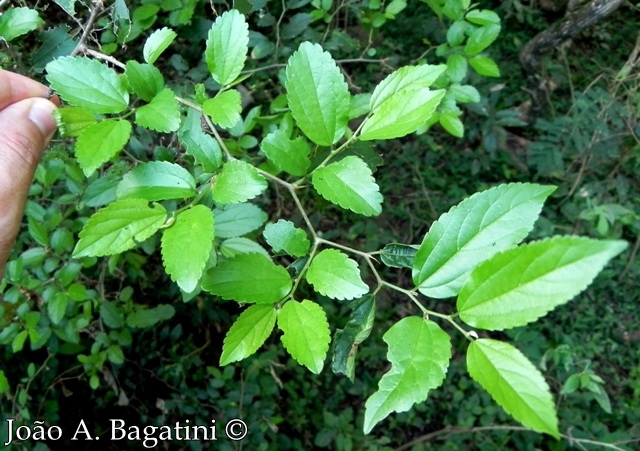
x=26, y=128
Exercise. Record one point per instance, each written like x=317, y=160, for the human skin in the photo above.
x=26, y=127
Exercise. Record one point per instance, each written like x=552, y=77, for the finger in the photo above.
x=25, y=130
x=15, y=87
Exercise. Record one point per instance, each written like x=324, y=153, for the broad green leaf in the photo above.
x=157, y=43
x=410, y=78
x=237, y=182
x=118, y=227
x=72, y=121
x=157, y=180
x=514, y=383
x=285, y=236
x=482, y=17
x=291, y=156
x=201, y=146
x=186, y=246
x=451, y=122
x=248, y=333
x=241, y=245
x=349, y=184
x=4, y=383
x=520, y=285
x=357, y=330
x=456, y=33
x=57, y=307
x=481, y=38
x=149, y=317
x=56, y=42
x=335, y=275
x=100, y=142
x=162, y=114
x=464, y=93
x=68, y=5
x=144, y=80
x=238, y=219
x=89, y=84
x=111, y=315
x=227, y=47
x=456, y=67
x=18, y=21
x=317, y=94
x=101, y=191
x=306, y=333
x=485, y=66
x=248, y=278
x=471, y=232
x=419, y=352
x=401, y=114
x=224, y=109
x=398, y=255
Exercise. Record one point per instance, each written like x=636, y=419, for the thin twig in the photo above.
x=96, y=9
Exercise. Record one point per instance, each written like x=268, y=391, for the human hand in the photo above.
x=26, y=127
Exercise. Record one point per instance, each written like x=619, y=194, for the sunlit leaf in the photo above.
x=157, y=180
x=285, y=236
x=100, y=142
x=157, y=43
x=248, y=333
x=407, y=78
x=227, y=46
x=237, y=182
x=335, y=275
x=289, y=155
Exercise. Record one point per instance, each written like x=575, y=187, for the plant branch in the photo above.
x=96, y=8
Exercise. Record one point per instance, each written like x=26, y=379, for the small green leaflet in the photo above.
x=4, y=383
x=111, y=315
x=18, y=21
x=306, y=333
x=157, y=43
x=481, y=38
x=522, y=284
x=162, y=114
x=477, y=228
x=100, y=142
x=145, y=318
x=464, y=93
x=456, y=67
x=227, y=47
x=482, y=17
x=248, y=278
x=248, y=333
x=485, y=66
x=201, y=146
x=238, y=219
x=317, y=94
x=224, y=109
x=401, y=114
x=118, y=227
x=451, y=123
x=237, y=182
x=291, y=156
x=57, y=307
x=144, y=80
x=285, y=236
x=349, y=184
x=186, y=246
x=456, y=33
x=419, y=352
x=72, y=121
x=357, y=330
x=409, y=78
x=514, y=383
x=335, y=275
x=89, y=84
x=157, y=180
x=241, y=245
x=398, y=255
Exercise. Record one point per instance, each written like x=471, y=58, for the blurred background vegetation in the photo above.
x=579, y=130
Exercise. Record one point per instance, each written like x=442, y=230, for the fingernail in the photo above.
x=41, y=114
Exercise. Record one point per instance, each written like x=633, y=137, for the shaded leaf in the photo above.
x=398, y=255
x=146, y=318
x=285, y=236
x=481, y=38
x=335, y=275
x=238, y=219
x=16, y=22
x=237, y=182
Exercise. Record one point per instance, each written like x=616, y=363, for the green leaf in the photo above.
x=451, y=123
x=456, y=33
x=118, y=227
x=514, y=383
x=89, y=84
x=56, y=42
x=335, y=275
x=144, y=80
x=146, y=318
x=485, y=66
x=241, y=245
x=68, y=5
x=398, y=255
x=419, y=352
x=317, y=94
x=57, y=307
x=237, y=182
x=306, y=333
x=289, y=155
x=111, y=315
x=18, y=21
x=4, y=383
x=227, y=47
x=522, y=284
x=248, y=278
x=401, y=114
x=157, y=180
x=483, y=17
x=224, y=109
x=349, y=184
x=464, y=93
x=186, y=246
x=238, y=219
x=162, y=114
x=157, y=43
x=481, y=38
x=248, y=333
x=357, y=330
x=72, y=121
x=100, y=142
x=473, y=231
x=201, y=146
x=285, y=236
x=456, y=67
x=407, y=78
